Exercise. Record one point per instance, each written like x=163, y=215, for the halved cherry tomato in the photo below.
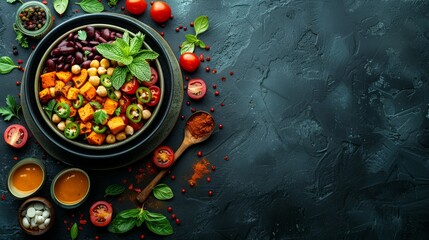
x=16, y=135
x=153, y=78
x=124, y=102
x=136, y=7
x=160, y=12
x=189, y=61
x=163, y=157
x=196, y=88
x=130, y=87
x=156, y=94
x=100, y=213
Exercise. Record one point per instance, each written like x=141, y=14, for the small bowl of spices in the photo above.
x=34, y=19
x=35, y=216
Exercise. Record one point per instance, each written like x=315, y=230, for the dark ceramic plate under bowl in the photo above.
x=107, y=156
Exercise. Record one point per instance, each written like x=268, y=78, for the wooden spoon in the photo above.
x=188, y=140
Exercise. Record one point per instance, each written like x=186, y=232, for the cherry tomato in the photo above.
x=196, y=88
x=163, y=156
x=136, y=7
x=153, y=78
x=124, y=102
x=100, y=213
x=136, y=125
x=160, y=12
x=16, y=135
x=189, y=61
x=156, y=94
x=130, y=87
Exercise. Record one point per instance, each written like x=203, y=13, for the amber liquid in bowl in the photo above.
x=27, y=178
x=71, y=187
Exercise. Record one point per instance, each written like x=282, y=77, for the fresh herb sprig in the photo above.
x=49, y=108
x=6, y=65
x=60, y=6
x=99, y=116
x=20, y=37
x=201, y=24
x=91, y=6
x=112, y=3
x=11, y=110
x=128, y=51
x=128, y=219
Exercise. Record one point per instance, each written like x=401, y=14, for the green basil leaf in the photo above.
x=140, y=69
x=81, y=35
x=129, y=213
x=74, y=231
x=152, y=217
x=60, y=6
x=201, y=24
x=113, y=52
x=121, y=225
x=147, y=55
x=118, y=77
x=114, y=190
x=6, y=65
x=200, y=44
x=91, y=6
x=187, y=47
x=136, y=43
x=191, y=38
x=49, y=108
x=159, y=225
x=162, y=192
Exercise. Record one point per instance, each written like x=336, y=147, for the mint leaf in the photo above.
x=201, y=24
x=118, y=77
x=191, y=38
x=81, y=35
x=124, y=46
x=112, y=52
x=147, y=55
x=6, y=65
x=126, y=37
x=140, y=69
x=187, y=47
x=136, y=43
x=49, y=108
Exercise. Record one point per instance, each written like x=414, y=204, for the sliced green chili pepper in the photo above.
x=105, y=80
x=62, y=109
x=78, y=102
x=72, y=130
x=134, y=113
x=111, y=94
x=97, y=129
x=143, y=94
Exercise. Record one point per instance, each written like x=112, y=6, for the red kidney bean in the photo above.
x=79, y=57
x=119, y=35
x=60, y=59
x=105, y=33
x=56, y=52
x=98, y=57
x=84, y=42
x=75, y=37
x=102, y=40
x=86, y=64
x=93, y=43
x=54, y=59
x=97, y=35
x=66, y=50
x=70, y=36
x=78, y=45
x=66, y=67
x=90, y=56
x=73, y=61
x=62, y=43
x=70, y=44
x=112, y=36
x=50, y=65
x=90, y=32
x=87, y=49
x=60, y=66
x=68, y=58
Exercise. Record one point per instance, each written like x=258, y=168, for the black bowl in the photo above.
x=117, y=155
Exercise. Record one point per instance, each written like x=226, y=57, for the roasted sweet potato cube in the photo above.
x=59, y=87
x=110, y=106
x=116, y=124
x=48, y=79
x=72, y=93
x=85, y=127
x=45, y=95
x=66, y=87
x=80, y=79
x=64, y=76
x=88, y=91
x=86, y=113
x=96, y=138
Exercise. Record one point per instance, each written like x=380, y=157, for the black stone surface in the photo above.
x=325, y=124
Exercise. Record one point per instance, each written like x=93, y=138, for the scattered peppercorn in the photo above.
x=183, y=190
x=191, y=24
x=193, y=109
x=177, y=30
x=173, y=216
x=171, y=16
x=231, y=73
x=216, y=93
x=20, y=61
x=209, y=179
x=162, y=34
x=207, y=47
x=201, y=57
x=212, y=109
x=178, y=222
x=211, y=193
x=214, y=86
x=223, y=78
x=180, y=26
x=173, y=177
x=141, y=236
x=208, y=59
x=222, y=104
x=33, y=18
x=185, y=28
x=214, y=71
x=199, y=153
x=213, y=167
x=3, y=197
x=169, y=209
x=207, y=69
x=188, y=103
x=220, y=126
x=226, y=158
x=182, y=117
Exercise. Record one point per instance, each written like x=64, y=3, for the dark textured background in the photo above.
x=325, y=124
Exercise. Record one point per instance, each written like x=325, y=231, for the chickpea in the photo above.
x=118, y=93
x=94, y=64
x=110, y=71
x=105, y=63
x=110, y=139
x=113, y=63
x=104, y=122
x=121, y=136
x=146, y=114
x=52, y=91
x=129, y=130
x=68, y=121
x=92, y=71
x=120, y=64
x=75, y=69
x=140, y=106
x=56, y=118
x=101, y=71
x=101, y=91
x=94, y=80
x=61, y=126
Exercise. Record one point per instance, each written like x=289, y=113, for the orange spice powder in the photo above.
x=200, y=169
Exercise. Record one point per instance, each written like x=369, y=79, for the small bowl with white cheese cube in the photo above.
x=36, y=215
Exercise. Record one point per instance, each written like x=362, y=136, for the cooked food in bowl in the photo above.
x=100, y=86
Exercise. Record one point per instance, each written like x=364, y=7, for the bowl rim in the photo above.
x=74, y=204
x=15, y=167
x=48, y=204
x=52, y=126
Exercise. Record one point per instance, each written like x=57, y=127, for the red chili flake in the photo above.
x=222, y=104
x=33, y=47
x=209, y=179
x=220, y=126
x=188, y=103
x=20, y=61
x=226, y=158
x=214, y=71
x=231, y=73
x=199, y=153
x=82, y=221
x=223, y=78
x=216, y=93
x=169, y=209
x=68, y=229
x=137, y=190
x=212, y=109
x=211, y=193
x=192, y=184
x=96, y=238
x=185, y=28
x=162, y=34
x=80, y=228
x=178, y=222
x=207, y=69
x=76, y=11
x=131, y=186
x=22, y=69
x=45, y=2
x=183, y=190
x=208, y=59
x=213, y=168
x=65, y=221
x=214, y=86
x=18, y=83
x=193, y=109
x=15, y=158
x=191, y=24
x=173, y=216
x=180, y=26
x=201, y=57
x=177, y=30
x=141, y=170
x=173, y=177
x=3, y=197
x=207, y=47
